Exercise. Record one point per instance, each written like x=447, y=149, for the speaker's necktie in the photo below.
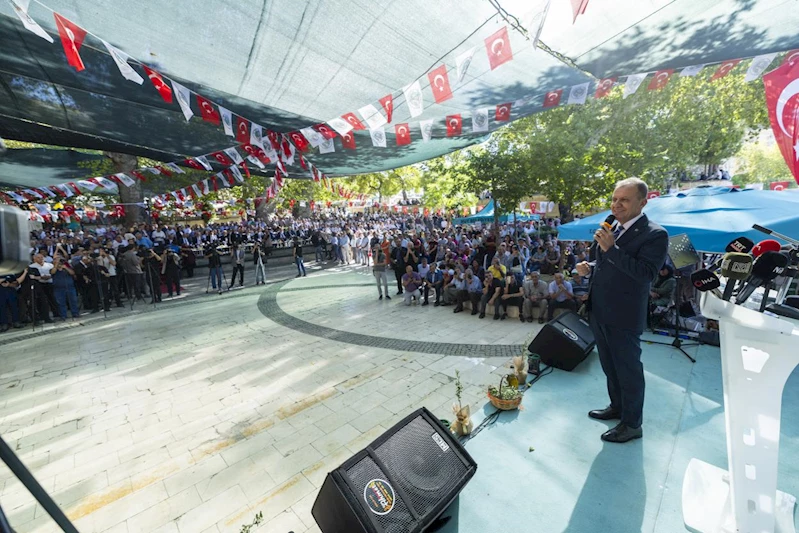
x=617, y=231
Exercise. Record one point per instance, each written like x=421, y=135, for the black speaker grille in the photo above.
x=399, y=519
x=423, y=465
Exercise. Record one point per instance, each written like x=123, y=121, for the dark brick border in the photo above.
x=268, y=306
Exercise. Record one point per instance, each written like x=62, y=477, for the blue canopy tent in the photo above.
x=486, y=214
x=710, y=216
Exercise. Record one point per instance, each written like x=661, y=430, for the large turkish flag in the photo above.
x=782, y=100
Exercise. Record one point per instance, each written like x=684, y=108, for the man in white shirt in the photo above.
x=41, y=275
x=561, y=295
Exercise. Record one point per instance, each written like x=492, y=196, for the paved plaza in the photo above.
x=194, y=417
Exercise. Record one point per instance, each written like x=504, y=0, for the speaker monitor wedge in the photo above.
x=400, y=483
x=564, y=342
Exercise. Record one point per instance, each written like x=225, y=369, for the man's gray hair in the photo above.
x=638, y=183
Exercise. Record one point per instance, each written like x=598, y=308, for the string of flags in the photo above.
x=264, y=146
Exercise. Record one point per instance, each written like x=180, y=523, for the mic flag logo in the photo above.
x=782, y=91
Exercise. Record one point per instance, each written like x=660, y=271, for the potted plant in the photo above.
x=506, y=397
x=463, y=417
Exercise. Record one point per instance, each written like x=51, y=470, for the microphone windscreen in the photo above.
x=705, y=280
x=608, y=223
x=769, y=245
x=741, y=245
x=769, y=265
x=736, y=265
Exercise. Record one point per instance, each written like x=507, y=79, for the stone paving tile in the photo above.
x=195, y=420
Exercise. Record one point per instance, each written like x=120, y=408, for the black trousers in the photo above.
x=565, y=304
x=620, y=354
x=437, y=290
x=240, y=270
x=513, y=302
x=172, y=282
x=398, y=273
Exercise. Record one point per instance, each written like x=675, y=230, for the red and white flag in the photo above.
x=242, y=130
x=160, y=85
x=388, y=106
x=603, y=87
x=782, y=101
x=246, y=170
x=439, y=84
x=125, y=179
x=454, y=125
x=222, y=158
x=498, y=48
x=660, y=80
x=779, y=185
x=552, y=98
x=256, y=152
x=348, y=140
x=233, y=154
x=299, y=141
x=652, y=194
x=325, y=131
x=340, y=125
x=193, y=164
x=209, y=113
x=403, y=133
x=314, y=138
x=72, y=37
x=578, y=8
x=724, y=69
x=237, y=174
x=139, y=176
x=503, y=112
x=173, y=167
x=354, y=121
x=204, y=162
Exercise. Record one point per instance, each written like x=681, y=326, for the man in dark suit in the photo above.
x=627, y=259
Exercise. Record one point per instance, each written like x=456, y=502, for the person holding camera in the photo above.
x=109, y=262
x=152, y=273
x=237, y=258
x=298, y=258
x=40, y=287
x=64, y=288
x=8, y=301
x=170, y=269
x=214, y=266
x=259, y=258
x=131, y=264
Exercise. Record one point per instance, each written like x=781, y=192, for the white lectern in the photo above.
x=758, y=353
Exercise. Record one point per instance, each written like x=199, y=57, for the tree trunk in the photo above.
x=129, y=196
x=496, y=218
x=566, y=214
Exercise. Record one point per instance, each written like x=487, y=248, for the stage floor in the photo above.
x=196, y=416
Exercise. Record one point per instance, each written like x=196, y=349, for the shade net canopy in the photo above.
x=710, y=216
x=288, y=65
x=486, y=214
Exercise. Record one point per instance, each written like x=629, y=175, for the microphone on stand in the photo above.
x=735, y=266
x=769, y=245
x=741, y=245
x=608, y=225
x=767, y=267
x=767, y=231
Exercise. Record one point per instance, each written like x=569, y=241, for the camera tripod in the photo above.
x=677, y=342
x=211, y=272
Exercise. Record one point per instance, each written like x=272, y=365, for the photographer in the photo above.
x=214, y=266
x=130, y=262
x=108, y=261
x=64, y=288
x=40, y=289
x=237, y=258
x=259, y=258
x=152, y=273
x=8, y=301
x=188, y=260
x=170, y=269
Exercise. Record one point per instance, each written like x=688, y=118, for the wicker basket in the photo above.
x=504, y=405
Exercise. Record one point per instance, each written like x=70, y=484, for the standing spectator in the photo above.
x=134, y=275
x=379, y=272
x=237, y=258
x=316, y=241
x=170, y=269
x=561, y=295
x=398, y=262
x=108, y=261
x=259, y=259
x=8, y=301
x=411, y=283
x=64, y=288
x=188, y=259
x=41, y=285
x=214, y=266
x=298, y=258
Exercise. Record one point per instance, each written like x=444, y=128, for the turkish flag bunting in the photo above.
x=194, y=191
x=96, y=182
x=222, y=158
x=299, y=141
x=193, y=164
x=348, y=140
x=498, y=48
x=138, y=175
x=779, y=185
x=439, y=84
x=578, y=8
x=164, y=170
x=552, y=98
x=209, y=113
x=403, y=134
x=652, y=194
x=242, y=130
x=160, y=85
x=72, y=37
x=317, y=176
x=791, y=57
x=256, y=151
x=724, y=69
x=58, y=191
x=603, y=87
x=660, y=80
x=246, y=170
x=454, y=125
x=229, y=175
x=119, y=210
x=303, y=164
x=503, y=112
x=354, y=121
x=214, y=183
x=782, y=88
x=278, y=179
x=274, y=140
x=325, y=131
x=388, y=105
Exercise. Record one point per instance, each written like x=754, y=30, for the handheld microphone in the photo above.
x=608, y=225
x=735, y=266
x=767, y=267
x=769, y=245
x=742, y=245
x=767, y=231
x=704, y=280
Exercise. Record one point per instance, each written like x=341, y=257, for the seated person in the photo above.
x=492, y=291
x=536, y=295
x=513, y=295
x=411, y=281
x=497, y=269
x=472, y=291
x=662, y=291
x=561, y=295
x=580, y=290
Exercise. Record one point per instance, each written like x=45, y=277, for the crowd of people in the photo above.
x=76, y=270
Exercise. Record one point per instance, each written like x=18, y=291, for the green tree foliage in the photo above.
x=761, y=163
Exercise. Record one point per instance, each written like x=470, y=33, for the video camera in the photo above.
x=14, y=240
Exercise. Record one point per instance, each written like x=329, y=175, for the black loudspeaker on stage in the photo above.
x=564, y=342
x=400, y=483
